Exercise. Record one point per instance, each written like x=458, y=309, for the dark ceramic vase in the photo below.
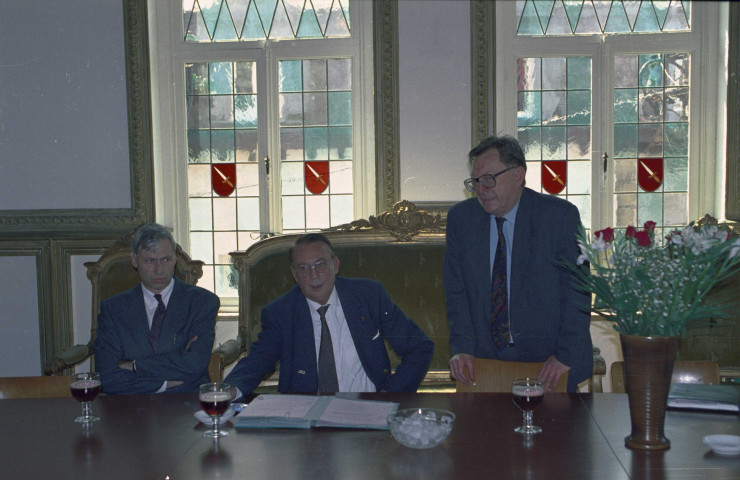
x=648, y=366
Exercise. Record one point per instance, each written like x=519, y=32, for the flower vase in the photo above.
x=648, y=366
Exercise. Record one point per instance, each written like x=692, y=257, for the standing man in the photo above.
x=158, y=336
x=507, y=297
x=329, y=333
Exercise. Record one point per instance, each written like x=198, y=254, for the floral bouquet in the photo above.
x=654, y=289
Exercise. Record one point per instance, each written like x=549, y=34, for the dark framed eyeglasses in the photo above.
x=488, y=180
x=303, y=270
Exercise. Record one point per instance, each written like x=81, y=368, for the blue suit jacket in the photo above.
x=123, y=334
x=287, y=336
x=548, y=315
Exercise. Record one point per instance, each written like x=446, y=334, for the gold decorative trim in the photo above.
x=140, y=148
x=483, y=56
x=403, y=221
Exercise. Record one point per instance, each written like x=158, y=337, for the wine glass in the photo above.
x=215, y=399
x=85, y=387
x=527, y=395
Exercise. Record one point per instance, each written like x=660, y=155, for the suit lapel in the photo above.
x=304, y=350
x=522, y=241
x=480, y=250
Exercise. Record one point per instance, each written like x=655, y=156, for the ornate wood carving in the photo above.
x=482, y=67
x=403, y=221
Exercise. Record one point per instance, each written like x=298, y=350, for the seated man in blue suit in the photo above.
x=158, y=336
x=328, y=333
x=516, y=302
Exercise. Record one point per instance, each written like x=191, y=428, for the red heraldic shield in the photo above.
x=223, y=178
x=649, y=173
x=554, y=175
x=317, y=176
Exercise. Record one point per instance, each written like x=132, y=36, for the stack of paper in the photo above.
x=723, y=398
x=305, y=411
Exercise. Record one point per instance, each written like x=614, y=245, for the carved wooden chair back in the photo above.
x=34, y=387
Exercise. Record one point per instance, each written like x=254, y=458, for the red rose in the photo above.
x=607, y=234
x=649, y=225
x=631, y=232
x=643, y=238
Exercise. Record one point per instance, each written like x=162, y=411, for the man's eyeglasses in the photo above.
x=303, y=271
x=488, y=180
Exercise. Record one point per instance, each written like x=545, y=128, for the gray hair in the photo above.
x=310, y=238
x=509, y=150
x=147, y=237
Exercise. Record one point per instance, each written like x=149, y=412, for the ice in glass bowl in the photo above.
x=421, y=427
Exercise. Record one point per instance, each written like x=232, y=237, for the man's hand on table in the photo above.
x=458, y=365
x=551, y=372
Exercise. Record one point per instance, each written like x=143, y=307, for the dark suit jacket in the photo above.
x=287, y=335
x=548, y=315
x=123, y=334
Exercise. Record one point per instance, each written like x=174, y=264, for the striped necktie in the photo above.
x=328, y=382
x=499, y=295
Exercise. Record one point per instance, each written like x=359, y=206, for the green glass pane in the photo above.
x=553, y=107
x=625, y=175
x=201, y=246
x=544, y=9
x=200, y=214
x=314, y=75
x=246, y=146
x=677, y=104
x=602, y=11
x=650, y=207
x=651, y=70
x=225, y=26
x=337, y=25
x=227, y=279
x=291, y=109
x=266, y=9
x=553, y=73
x=588, y=23
x=221, y=78
x=315, y=108
x=210, y=15
x=676, y=208
x=339, y=73
x=579, y=177
x=291, y=144
x=553, y=143
x=676, y=174
x=646, y=19
x=529, y=108
x=199, y=146
x=253, y=28
x=625, y=206
x=677, y=67
x=322, y=8
x=292, y=178
x=579, y=107
x=573, y=10
x=579, y=73
x=651, y=105
x=579, y=142
x=625, y=105
x=340, y=143
x=245, y=115
x=676, y=141
x=281, y=26
x=340, y=108
x=661, y=10
x=531, y=141
x=222, y=146
x=196, y=79
x=246, y=77
x=625, y=141
x=558, y=24
x=309, y=26
x=649, y=140
x=291, y=77
x=529, y=74
x=529, y=23
x=625, y=71
x=248, y=214
x=198, y=112
x=617, y=22
x=222, y=111
x=316, y=143
x=238, y=10
x=294, y=9
x=294, y=214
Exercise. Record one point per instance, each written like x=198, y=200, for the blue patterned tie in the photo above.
x=328, y=382
x=157, y=321
x=499, y=296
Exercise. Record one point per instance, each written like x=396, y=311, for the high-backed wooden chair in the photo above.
x=34, y=387
x=496, y=375
x=111, y=274
x=691, y=371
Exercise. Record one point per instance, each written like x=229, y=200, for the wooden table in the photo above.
x=156, y=436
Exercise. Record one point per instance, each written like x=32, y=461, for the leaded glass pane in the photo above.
x=243, y=20
x=199, y=180
x=291, y=178
x=317, y=212
x=340, y=143
x=342, y=209
x=246, y=146
x=249, y=215
x=341, y=179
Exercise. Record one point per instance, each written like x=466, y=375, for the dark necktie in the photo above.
x=327, y=368
x=499, y=296
x=157, y=321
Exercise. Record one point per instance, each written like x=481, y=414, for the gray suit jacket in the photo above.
x=548, y=315
x=123, y=334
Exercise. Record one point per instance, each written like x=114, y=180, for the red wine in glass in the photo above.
x=85, y=387
x=527, y=394
x=215, y=399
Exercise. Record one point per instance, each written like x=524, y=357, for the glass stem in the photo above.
x=86, y=410
x=528, y=419
x=215, y=426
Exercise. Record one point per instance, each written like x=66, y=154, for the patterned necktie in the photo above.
x=328, y=382
x=499, y=296
x=157, y=321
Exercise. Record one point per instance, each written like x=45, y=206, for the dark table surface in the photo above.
x=157, y=436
